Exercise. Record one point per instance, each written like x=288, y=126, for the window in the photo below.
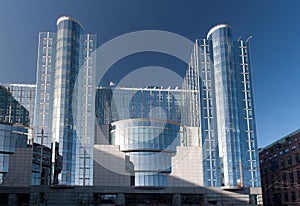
x=282, y=163
x=268, y=201
x=291, y=177
x=297, y=158
x=286, y=197
x=289, y=161
x=293, y=194
x=283, y=177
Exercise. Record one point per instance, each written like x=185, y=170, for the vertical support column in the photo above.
x=12, y=199
x=176, y=200
x=121, y=200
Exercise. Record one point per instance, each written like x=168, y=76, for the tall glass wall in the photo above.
x=84, y=110
x=199, y=78
x=249, y=158
x=44, y=89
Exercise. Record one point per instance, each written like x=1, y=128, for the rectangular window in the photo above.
x=282, y=163
x=291, y=177
x=283, y=177
x=297, y=158
x=293, y=194
x=286, y=197
x=289, y=161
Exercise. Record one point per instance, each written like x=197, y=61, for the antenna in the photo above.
x=250, y=37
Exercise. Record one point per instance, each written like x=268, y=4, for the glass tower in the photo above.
x=221, y=70
x=62, y=57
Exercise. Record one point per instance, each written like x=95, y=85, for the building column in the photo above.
x=121, y=200
x=12, y=199
x=176, y=200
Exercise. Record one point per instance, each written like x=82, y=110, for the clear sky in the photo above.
x=274, y=25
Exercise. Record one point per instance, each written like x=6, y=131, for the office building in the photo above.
x=280, y=170
x=214, y=116
x=61, y=55
x=152, y=145
x=220, y=70
x=22, y=162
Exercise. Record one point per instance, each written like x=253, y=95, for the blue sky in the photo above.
x=275, y=28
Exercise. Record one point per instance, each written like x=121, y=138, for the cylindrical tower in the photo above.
x=226, y=105
x=69, y=32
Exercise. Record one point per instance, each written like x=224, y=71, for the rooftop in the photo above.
x=280, y=141
x=219, y=26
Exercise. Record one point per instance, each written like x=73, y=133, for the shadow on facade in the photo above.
x=115, y=188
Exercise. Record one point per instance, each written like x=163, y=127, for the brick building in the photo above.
x=280, y=171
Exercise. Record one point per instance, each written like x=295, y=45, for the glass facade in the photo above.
x=66, y=71
x=62, y=57
x=12, y=136
x=220, y=71
x=11, y=111
x=131, y=145
x=41, y=165
x=213, y=111
x=25, y=95
x=44, y=92
x=149, y=145
x=249, y=149
x=14, y=128
x=199, y=78
x=226, y=105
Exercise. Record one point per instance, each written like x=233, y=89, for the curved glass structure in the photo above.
x=66, y=70
x=146, y=124
x=226, y=102
x=149, y=145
